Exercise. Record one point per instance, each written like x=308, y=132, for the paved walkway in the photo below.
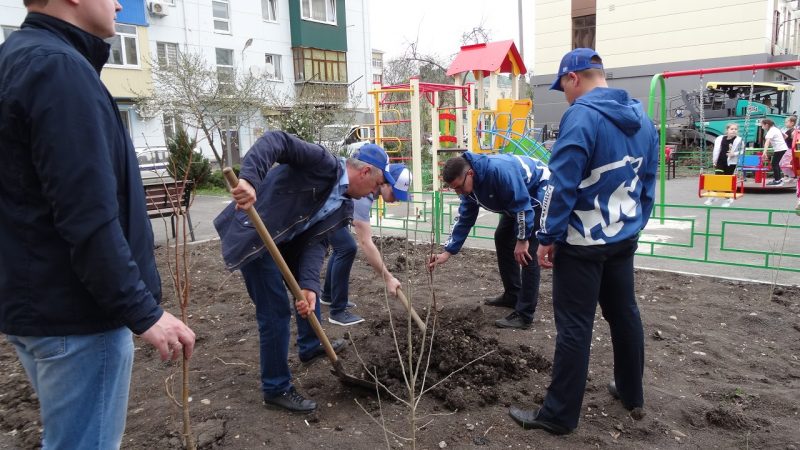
x=686, y=226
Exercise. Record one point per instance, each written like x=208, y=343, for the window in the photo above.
x=225, y=75
x=125, y=115
x=311, y=64
x=272, y=69
x=377, y=78
x=319, y=10
x=170, y=127
x=377, y=61
x=7, y=30
x=124, y=46
x=583, y=31
x=222, y=17
x=269, y=10
x=167, y=53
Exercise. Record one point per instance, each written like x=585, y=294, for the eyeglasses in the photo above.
x=460, y=185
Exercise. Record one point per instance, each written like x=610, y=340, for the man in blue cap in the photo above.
x=602, y=184
x=303, y=199
x=336, y=289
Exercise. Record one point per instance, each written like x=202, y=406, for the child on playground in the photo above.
x=725, y=156
x=775, y=138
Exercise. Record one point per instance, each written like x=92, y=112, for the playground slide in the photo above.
x=528, y=147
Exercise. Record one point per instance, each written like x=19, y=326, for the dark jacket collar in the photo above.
x=94, y=49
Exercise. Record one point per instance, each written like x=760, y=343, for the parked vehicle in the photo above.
x=346, y=139
x=153, y=162
x=726, y=102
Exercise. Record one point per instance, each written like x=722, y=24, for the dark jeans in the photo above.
x=520, y=284
x=266, y=288
x=777, y=174
x=337, y=278
x=582, y=277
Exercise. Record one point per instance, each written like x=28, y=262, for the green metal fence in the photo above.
x=736, y=237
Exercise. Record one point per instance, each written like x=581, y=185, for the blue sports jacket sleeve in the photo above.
x=570, y=154
x=515, y=195
x=467, y=215
x=648, y=177
x=73, y=163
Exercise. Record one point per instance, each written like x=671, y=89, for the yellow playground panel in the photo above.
x=720, y=186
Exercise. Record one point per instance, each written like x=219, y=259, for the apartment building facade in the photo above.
x=639, y=38
x=308, y=46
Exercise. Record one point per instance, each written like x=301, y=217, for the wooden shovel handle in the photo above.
x=287, y=274
x=414, y=315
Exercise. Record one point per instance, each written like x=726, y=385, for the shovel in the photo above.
x=420, y=323
x=338, y=370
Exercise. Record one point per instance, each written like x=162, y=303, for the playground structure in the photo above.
x=478, y=118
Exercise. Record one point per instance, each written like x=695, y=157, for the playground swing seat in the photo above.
x=720, y=186
x=755, y=165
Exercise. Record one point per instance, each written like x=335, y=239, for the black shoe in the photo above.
x=528, y=421
x=513, y=320
x=291, y=401
x=636, y=411
x=337, y=345
x=500, y=301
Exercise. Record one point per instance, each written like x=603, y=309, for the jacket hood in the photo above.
x=615, y=105
x=479, y=163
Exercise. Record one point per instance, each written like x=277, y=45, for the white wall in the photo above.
x=639, y=32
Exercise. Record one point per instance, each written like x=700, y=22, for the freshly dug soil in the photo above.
x=722, y=367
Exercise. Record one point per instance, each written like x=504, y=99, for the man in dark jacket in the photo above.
x=512, y=186
x=302, y=200
x=600, y=196
x=77, y=271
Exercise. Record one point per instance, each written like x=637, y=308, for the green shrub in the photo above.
x=181, y=153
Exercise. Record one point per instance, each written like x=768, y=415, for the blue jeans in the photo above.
x=266, y=288
x=582, y=278
x=82, y=382
x=337, y=278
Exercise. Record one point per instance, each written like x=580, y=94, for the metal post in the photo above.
x=228, y=140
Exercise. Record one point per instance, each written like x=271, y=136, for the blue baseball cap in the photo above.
x=402, y=183
x=575, y=61
x=376, y=156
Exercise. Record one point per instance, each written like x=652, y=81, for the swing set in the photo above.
x=710, y=185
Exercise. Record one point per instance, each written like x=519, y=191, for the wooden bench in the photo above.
x=168, y=199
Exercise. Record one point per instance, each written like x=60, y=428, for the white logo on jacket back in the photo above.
x=620, y=205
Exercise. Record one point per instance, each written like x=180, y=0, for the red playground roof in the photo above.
x=488, y=57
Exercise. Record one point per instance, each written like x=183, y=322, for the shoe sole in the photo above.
x=524, y=327
x=275, y=407
x=344, y=324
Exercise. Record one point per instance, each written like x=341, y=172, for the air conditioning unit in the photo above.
x=157, y=8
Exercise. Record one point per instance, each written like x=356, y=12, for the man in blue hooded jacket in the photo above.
x=512, y=186
x=77, y=269
x=599, y=198
x=303, y=199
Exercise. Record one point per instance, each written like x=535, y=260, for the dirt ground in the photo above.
x=722, y=368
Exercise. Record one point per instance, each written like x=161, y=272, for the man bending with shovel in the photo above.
x=302, y=200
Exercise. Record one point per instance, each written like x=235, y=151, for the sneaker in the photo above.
x=513, y=320
x=528, y=420
x=292, y=401
x=709, y=202
x=327, y=302
x=775, y=183
x=727, y=203
x=344, y=318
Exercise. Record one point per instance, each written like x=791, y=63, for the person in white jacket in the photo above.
x=727, y=149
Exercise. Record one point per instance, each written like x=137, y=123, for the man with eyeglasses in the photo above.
x=512, y=186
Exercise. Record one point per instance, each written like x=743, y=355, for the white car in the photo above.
x=153, y=162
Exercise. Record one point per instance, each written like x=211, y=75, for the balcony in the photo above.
x=321, y=93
